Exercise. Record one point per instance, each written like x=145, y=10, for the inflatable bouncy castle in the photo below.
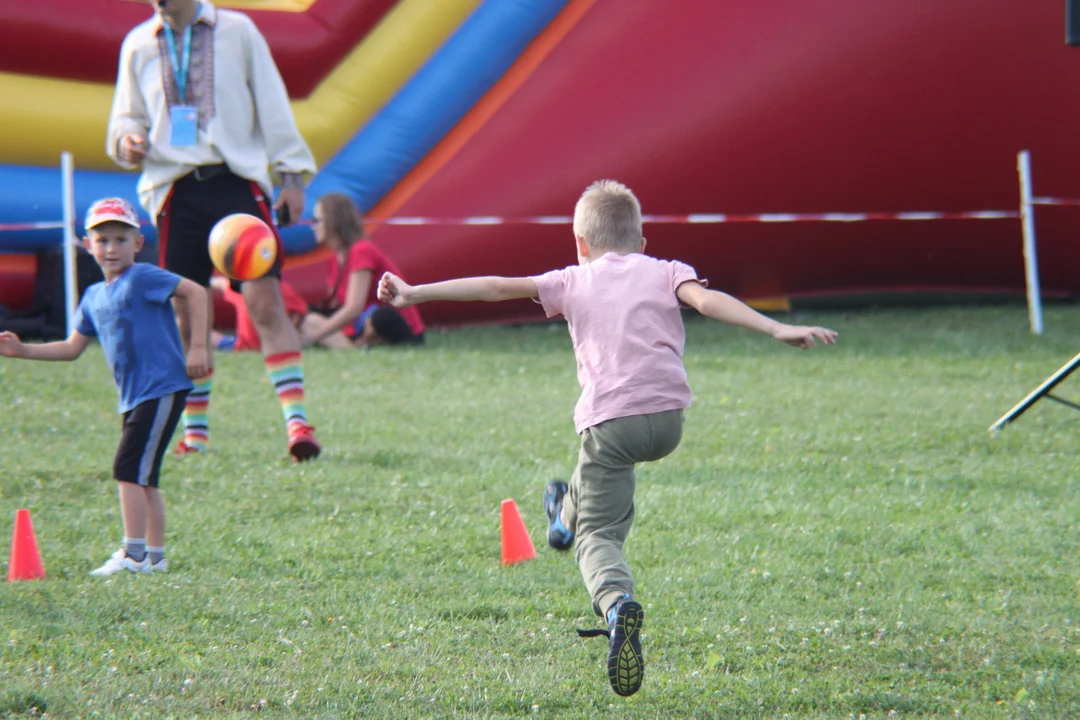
x=785, y=149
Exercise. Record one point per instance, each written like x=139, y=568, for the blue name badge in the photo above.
x=185, y=125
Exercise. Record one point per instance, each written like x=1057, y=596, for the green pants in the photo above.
x=599, y=508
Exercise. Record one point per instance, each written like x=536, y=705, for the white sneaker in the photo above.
x=120, y=562
x=160, y=566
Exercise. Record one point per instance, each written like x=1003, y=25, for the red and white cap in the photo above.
x=112, y=210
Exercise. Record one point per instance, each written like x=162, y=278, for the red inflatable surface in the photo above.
x=17, y=274
x=704, y=106
x=80, y=39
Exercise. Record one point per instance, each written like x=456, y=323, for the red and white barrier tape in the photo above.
x=713, y=218
x=55, y=225
x=692, y=219
x=1067, y=202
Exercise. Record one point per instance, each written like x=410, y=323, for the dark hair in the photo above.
x=341, y=218
x=391, y=326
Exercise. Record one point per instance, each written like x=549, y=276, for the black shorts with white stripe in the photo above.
x=148, y=428
x=192, y=209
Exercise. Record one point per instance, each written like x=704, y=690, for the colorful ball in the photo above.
x=243, y=246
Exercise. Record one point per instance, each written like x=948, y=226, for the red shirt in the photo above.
x=247, y=337
x=365, y=255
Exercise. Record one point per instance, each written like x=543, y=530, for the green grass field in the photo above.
x=837, y=537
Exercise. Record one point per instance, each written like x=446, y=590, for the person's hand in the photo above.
x=395, y=291
x=292, y=198
x=133, y=149
x=198, y=362
x=803, y=336
x=10, y=345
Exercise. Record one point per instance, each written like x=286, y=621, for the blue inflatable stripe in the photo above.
x=435, y=99
x=34, y=194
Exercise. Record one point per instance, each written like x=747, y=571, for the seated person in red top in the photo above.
x=247, y=337
x=353, y=315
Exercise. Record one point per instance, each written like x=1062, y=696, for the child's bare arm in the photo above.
x=65, y=350
x=395, y=291
x=724, y=308
x=195, y=302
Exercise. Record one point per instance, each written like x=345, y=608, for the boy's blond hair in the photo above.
x=608, y=216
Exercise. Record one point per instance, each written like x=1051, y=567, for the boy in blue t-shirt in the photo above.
x=132, y=317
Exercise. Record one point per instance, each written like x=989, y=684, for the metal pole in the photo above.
x=1027, y=224
x=70, y=249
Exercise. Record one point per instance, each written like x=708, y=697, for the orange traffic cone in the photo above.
x=517, y=546
x=25, y=561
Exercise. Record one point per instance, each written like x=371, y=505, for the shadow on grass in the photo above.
x=14, y=703
x=31, y=481
x=381, y=458
x=478, y=612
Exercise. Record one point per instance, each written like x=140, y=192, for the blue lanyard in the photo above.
x=180, y=67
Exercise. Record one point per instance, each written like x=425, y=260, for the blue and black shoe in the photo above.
x=558, y=535
x=625, y=663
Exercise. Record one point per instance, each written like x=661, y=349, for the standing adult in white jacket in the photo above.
x=200, y=106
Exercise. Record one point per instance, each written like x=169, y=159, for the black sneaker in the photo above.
x=558, y=536
x=625, y=663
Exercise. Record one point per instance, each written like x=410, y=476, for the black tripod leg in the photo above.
x=1063, y=401
x=1037, y=393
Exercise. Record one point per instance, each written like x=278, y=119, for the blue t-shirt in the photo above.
x=134, y=321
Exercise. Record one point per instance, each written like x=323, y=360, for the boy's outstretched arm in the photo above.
x=11, y=346
x=395, y=291
x=195, y=305
x=724, y=308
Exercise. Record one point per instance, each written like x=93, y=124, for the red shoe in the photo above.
x=182, y=448
x=303, y=445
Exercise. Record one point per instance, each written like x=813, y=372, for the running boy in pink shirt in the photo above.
x=623, y=310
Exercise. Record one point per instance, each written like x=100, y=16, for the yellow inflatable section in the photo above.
x=279, y=5
x=46, y=114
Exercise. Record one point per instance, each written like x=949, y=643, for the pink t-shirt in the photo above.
x=627, y=332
